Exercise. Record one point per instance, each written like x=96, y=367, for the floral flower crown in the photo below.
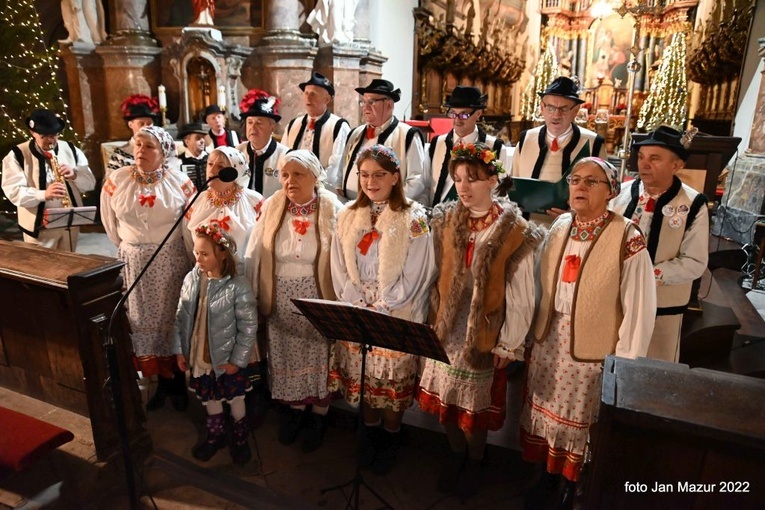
x=480, y=152
x=216, y=234
x=136, y=99
x=380, y=150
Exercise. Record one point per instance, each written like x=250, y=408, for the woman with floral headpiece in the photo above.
x=214, y=337
x=480, y=307
x=382, y=258
x=288, y=257
x=598, y=298
x=139, y=205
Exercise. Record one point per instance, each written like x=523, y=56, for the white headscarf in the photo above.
x=236, y=160
x=307, y=159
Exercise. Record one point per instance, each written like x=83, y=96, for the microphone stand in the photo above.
x=227, y=174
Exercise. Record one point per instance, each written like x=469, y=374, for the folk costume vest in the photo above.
x=494, y=263
x=532, y=150
x=326, y=130
x=596, y=313
x=325, y=225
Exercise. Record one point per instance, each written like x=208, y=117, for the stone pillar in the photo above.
x=284, y=58
x=341, y=64
x=744, y=199
x=130, y=20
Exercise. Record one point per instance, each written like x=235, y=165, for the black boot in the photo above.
x=314, y=433
x=538, y=496
x=369, y=445
x=450, y=474
x=240, y=450
x=290, y=421
x=470, y=477
x=179, y=395
x=215, y=440
x=569, y=494
x=387, y=452
x=158, y=400
x=258, y=400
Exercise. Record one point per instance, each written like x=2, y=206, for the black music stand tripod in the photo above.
x=368, y=328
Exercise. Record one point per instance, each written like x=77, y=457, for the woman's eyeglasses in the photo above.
x=574, y=180
x=377, y=176
x=461, y=116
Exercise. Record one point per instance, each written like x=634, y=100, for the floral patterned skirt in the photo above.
x=224, y=388
x=560, y=403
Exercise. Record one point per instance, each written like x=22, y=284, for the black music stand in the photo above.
x=368, y=328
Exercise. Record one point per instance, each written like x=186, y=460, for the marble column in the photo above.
x=283, y=58
x=341, y=64
x=744, y=199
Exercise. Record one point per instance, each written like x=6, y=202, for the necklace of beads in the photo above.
x=227, y=198
x=485, y=221
x=147, y=178
x=588, y=230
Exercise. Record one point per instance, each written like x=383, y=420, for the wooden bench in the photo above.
x=24, y=439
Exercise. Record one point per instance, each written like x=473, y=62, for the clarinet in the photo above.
x=65, y=201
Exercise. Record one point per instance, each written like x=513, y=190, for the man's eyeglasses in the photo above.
x=371, y=102
x=552, y=109
x=574, y=180
x=461, y=116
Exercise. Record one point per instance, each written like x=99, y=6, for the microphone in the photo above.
x=227, y=174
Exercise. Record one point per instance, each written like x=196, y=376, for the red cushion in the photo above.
x=23, y=439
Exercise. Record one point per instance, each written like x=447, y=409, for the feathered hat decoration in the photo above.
x=139, y=104
x=251, y=96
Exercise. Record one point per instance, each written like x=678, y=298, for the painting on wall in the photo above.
x=608, y=50
x=229, y=14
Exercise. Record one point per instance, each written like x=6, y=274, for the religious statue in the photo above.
x=470, y=18
x=333, y=21
x=74, y=22
x=204, y=12
x=131, y=16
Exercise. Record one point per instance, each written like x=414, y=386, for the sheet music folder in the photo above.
x=63, y=217
x=536, y=196
x=343, y=321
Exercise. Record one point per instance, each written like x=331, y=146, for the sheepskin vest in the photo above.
x=396, y=236
x=324, y=227
x=596, y=312
x=494, y=263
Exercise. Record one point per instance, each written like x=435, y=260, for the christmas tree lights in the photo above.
x=28, y=77
x=544, y=74
x=666, y=101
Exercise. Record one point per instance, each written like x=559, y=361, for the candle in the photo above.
x=222, y=97
x=162, y=96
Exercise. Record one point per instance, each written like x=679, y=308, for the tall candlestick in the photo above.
x=222, y=97
x=162, y=96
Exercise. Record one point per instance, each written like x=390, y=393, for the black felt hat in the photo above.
x=563, y=87
x=213, y=108
x=319, y=80
x=382, y=87
x=45, y=122
x=136, y=111
x=668, y=138
x=466, y=97
x=264, y=107
x=193, y=127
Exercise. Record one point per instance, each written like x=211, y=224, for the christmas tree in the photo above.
x=666, y=101
x=544, y=73
x=27, y=75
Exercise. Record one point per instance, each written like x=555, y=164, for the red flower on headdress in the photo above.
x=151, y=102
x=253, y=95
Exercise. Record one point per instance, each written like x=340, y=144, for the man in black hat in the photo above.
x=381, y=127
x=138, y=111
x=194, y=155
x=675, y=222
x=318, y=130
x=218, y=134
x=465, y=106
x=261, y=150
x=31, y=184
x=548, y=152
